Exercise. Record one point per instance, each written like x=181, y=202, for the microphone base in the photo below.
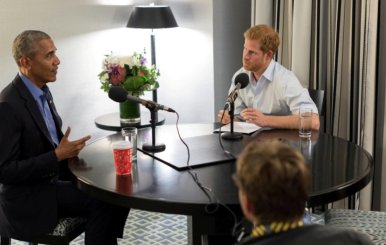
x=153, y=148
x=232, y=136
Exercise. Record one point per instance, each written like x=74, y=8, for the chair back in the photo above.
x=66, y=230
x=318, y=96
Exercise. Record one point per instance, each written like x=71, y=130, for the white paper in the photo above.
x=240, y=127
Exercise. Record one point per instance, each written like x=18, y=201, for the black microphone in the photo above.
x=241, y=82
x=119, y=94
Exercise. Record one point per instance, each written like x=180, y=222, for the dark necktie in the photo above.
x=48, y=114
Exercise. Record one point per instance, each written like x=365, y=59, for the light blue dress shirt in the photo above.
x=277, y=92
x=42, y=101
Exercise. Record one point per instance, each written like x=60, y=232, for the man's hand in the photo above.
x=289, y=122
x=254, y=116
x=225, y=119
x=67, y=149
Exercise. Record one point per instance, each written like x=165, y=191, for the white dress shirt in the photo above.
x=277, y=92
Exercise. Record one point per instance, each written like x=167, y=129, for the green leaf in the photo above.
x=133, y=83
x=105, y=86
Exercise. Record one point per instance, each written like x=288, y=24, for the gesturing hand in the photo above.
x=67, y=149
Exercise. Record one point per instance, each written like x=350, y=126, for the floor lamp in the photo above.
x=152, y=17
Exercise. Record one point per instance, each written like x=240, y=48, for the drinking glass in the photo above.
x=130, y=134
x=305, y=118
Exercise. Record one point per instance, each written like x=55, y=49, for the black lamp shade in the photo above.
x=152, y=17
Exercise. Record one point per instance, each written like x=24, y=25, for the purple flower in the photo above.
x=117, y=75
x=142, y=60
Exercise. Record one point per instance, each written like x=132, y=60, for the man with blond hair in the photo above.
x=273, y=95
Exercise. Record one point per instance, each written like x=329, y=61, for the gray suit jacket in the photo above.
x=28, y=165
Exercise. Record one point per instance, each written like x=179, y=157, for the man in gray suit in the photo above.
x=35, y=183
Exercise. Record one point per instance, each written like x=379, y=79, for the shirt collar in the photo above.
x=34, y=90
x=268, y=73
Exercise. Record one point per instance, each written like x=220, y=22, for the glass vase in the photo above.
x=129, y=113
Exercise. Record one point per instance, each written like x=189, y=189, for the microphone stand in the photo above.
x=232, y=135
x=153, y=147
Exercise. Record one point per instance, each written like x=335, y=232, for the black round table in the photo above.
x=339, y=169
x=112, y=122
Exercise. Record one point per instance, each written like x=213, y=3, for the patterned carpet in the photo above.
x=147, y=228
x=150, y=228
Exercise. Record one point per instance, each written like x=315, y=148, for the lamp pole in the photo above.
x=154, y=92
x=152, y=42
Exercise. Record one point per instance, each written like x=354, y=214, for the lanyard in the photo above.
x=275, y=227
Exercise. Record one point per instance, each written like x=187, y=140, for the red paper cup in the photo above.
x=122, y=157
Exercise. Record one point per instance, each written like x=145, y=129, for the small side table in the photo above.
x=112, y=122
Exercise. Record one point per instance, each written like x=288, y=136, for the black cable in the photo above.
x=228, y=153
x=205, y=189
x=213, y=200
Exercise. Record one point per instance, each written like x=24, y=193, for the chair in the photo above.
x=318, y=97
x=218, y=239
x=65, y=231
x=371, y=223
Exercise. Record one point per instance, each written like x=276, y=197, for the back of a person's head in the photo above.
x=266, y=35
x=276, y=178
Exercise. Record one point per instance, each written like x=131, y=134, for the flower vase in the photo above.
x=129, y=112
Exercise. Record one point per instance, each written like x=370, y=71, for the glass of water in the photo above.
x=305, y=120
x=130, y=134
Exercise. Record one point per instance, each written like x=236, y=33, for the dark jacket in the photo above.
x=28, y=165
x=311, y=234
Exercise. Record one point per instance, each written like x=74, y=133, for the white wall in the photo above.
x=85, y=30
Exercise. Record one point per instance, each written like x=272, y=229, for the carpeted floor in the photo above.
x=148, y=228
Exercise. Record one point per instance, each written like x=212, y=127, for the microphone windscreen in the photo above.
x=118, y=94
x=243, y=79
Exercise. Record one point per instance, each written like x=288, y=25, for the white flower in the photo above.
x=111, y=60
x=104, y=77
x=128, y=60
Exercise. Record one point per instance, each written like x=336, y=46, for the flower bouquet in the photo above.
x=133, y=75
